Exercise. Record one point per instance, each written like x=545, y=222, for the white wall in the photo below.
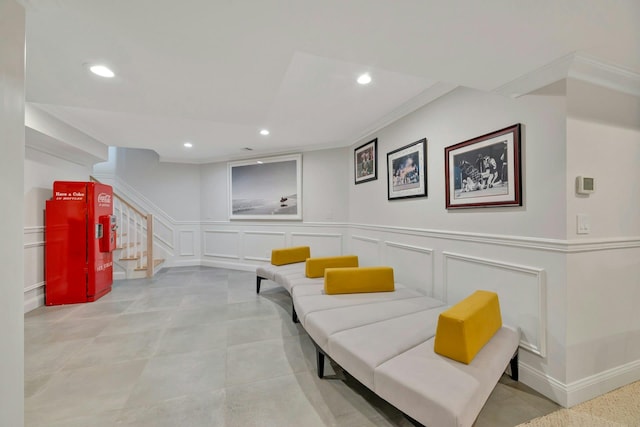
x=459, y=116
x=603, y=284
x=12, y=40
x=241, y=244
x=173, y=187
x=324, y=190
x=40, y=171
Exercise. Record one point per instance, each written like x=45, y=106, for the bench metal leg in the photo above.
x=320, y=362
x=294, y=315
x=514, y=367
x=258, y=280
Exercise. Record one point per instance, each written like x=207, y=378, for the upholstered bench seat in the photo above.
x=320, y=325
x=307, y=304
x=361, y=350
x=438, y=391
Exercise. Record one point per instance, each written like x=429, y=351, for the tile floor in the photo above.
x=197, y=347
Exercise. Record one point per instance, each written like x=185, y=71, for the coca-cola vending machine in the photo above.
x=80, y=234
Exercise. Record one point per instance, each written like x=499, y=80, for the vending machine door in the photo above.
x=66, y=252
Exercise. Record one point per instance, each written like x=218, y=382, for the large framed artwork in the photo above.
x=407, y=171
x=268, y=188
x=484, y=171
x=365, y=159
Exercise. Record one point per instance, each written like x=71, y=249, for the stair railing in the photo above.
x=135, y=234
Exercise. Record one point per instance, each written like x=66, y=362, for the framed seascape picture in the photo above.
x=365, y=159
x=407, y=171
x=485, y=171
x=268, y=188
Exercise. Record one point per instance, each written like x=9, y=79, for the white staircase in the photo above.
x=133, y=257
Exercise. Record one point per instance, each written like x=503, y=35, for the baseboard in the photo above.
x=230, y=265
x=543, y=384
x=576, y=392
x=33, y=299
x=602, y=382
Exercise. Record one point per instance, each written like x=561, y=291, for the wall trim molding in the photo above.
x=536, y=243
x=587, y=388
x=34, y=286
x=365, y=239
x=539, y=348
x=576, y=392
x=543, y=383
x=419, y=249
x=34, y=229
x=578, y=66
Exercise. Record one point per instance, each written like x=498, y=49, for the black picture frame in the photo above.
x=407, y=171
x=365, y=162
x=485, y=171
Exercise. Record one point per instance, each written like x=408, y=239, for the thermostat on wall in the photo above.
x=585, y=185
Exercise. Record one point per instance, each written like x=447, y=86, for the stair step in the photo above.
x=156, y=262
x=134, y=258
x=129, y=245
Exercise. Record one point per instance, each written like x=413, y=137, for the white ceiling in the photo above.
x=214, y=72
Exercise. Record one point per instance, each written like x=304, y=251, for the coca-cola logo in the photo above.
x=104, y=198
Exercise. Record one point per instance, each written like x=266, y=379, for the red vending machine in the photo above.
x=80, y=234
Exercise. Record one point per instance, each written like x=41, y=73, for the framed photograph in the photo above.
x=407, y=171
x=365, y=160
x=268, y=188
x=485, y=171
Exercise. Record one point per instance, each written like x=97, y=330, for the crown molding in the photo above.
x=577, y=66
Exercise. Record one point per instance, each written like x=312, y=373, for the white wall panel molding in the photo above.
x=576, y=392
x=322, y=244
x=34, y=244
x=34, y=286
x=187, y=242
x=365, y=239
x=602, y=382
x=543, y=383
x=221, y=243
x=34, y=229
x=541, y=244
x=522, y=291
x=411, y=265
x=257, y=245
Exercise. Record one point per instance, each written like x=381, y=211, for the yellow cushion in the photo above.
x=354, y=280
x=467, y=326
x=315, y=266
x=290, y=255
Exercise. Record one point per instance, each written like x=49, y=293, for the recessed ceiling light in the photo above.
x=102, y=71
x=188, y=145
x=364, y=79
x=264, y=132
x=259, y=162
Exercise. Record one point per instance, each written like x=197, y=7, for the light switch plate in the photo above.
x=583, y=224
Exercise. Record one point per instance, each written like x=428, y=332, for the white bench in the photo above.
x=385, y=341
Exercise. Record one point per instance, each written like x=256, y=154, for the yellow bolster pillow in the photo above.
x=290, y=255
x=315, y=266
x=467, y=326
x=357, y=280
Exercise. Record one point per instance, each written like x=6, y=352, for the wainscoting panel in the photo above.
x=412, y=265
x=221, y=244
x=521, y=289
x=163, y=231
x=367, y=249
x=187, y=242
x=33, y=267
x=257, y=245
x=322, y=244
